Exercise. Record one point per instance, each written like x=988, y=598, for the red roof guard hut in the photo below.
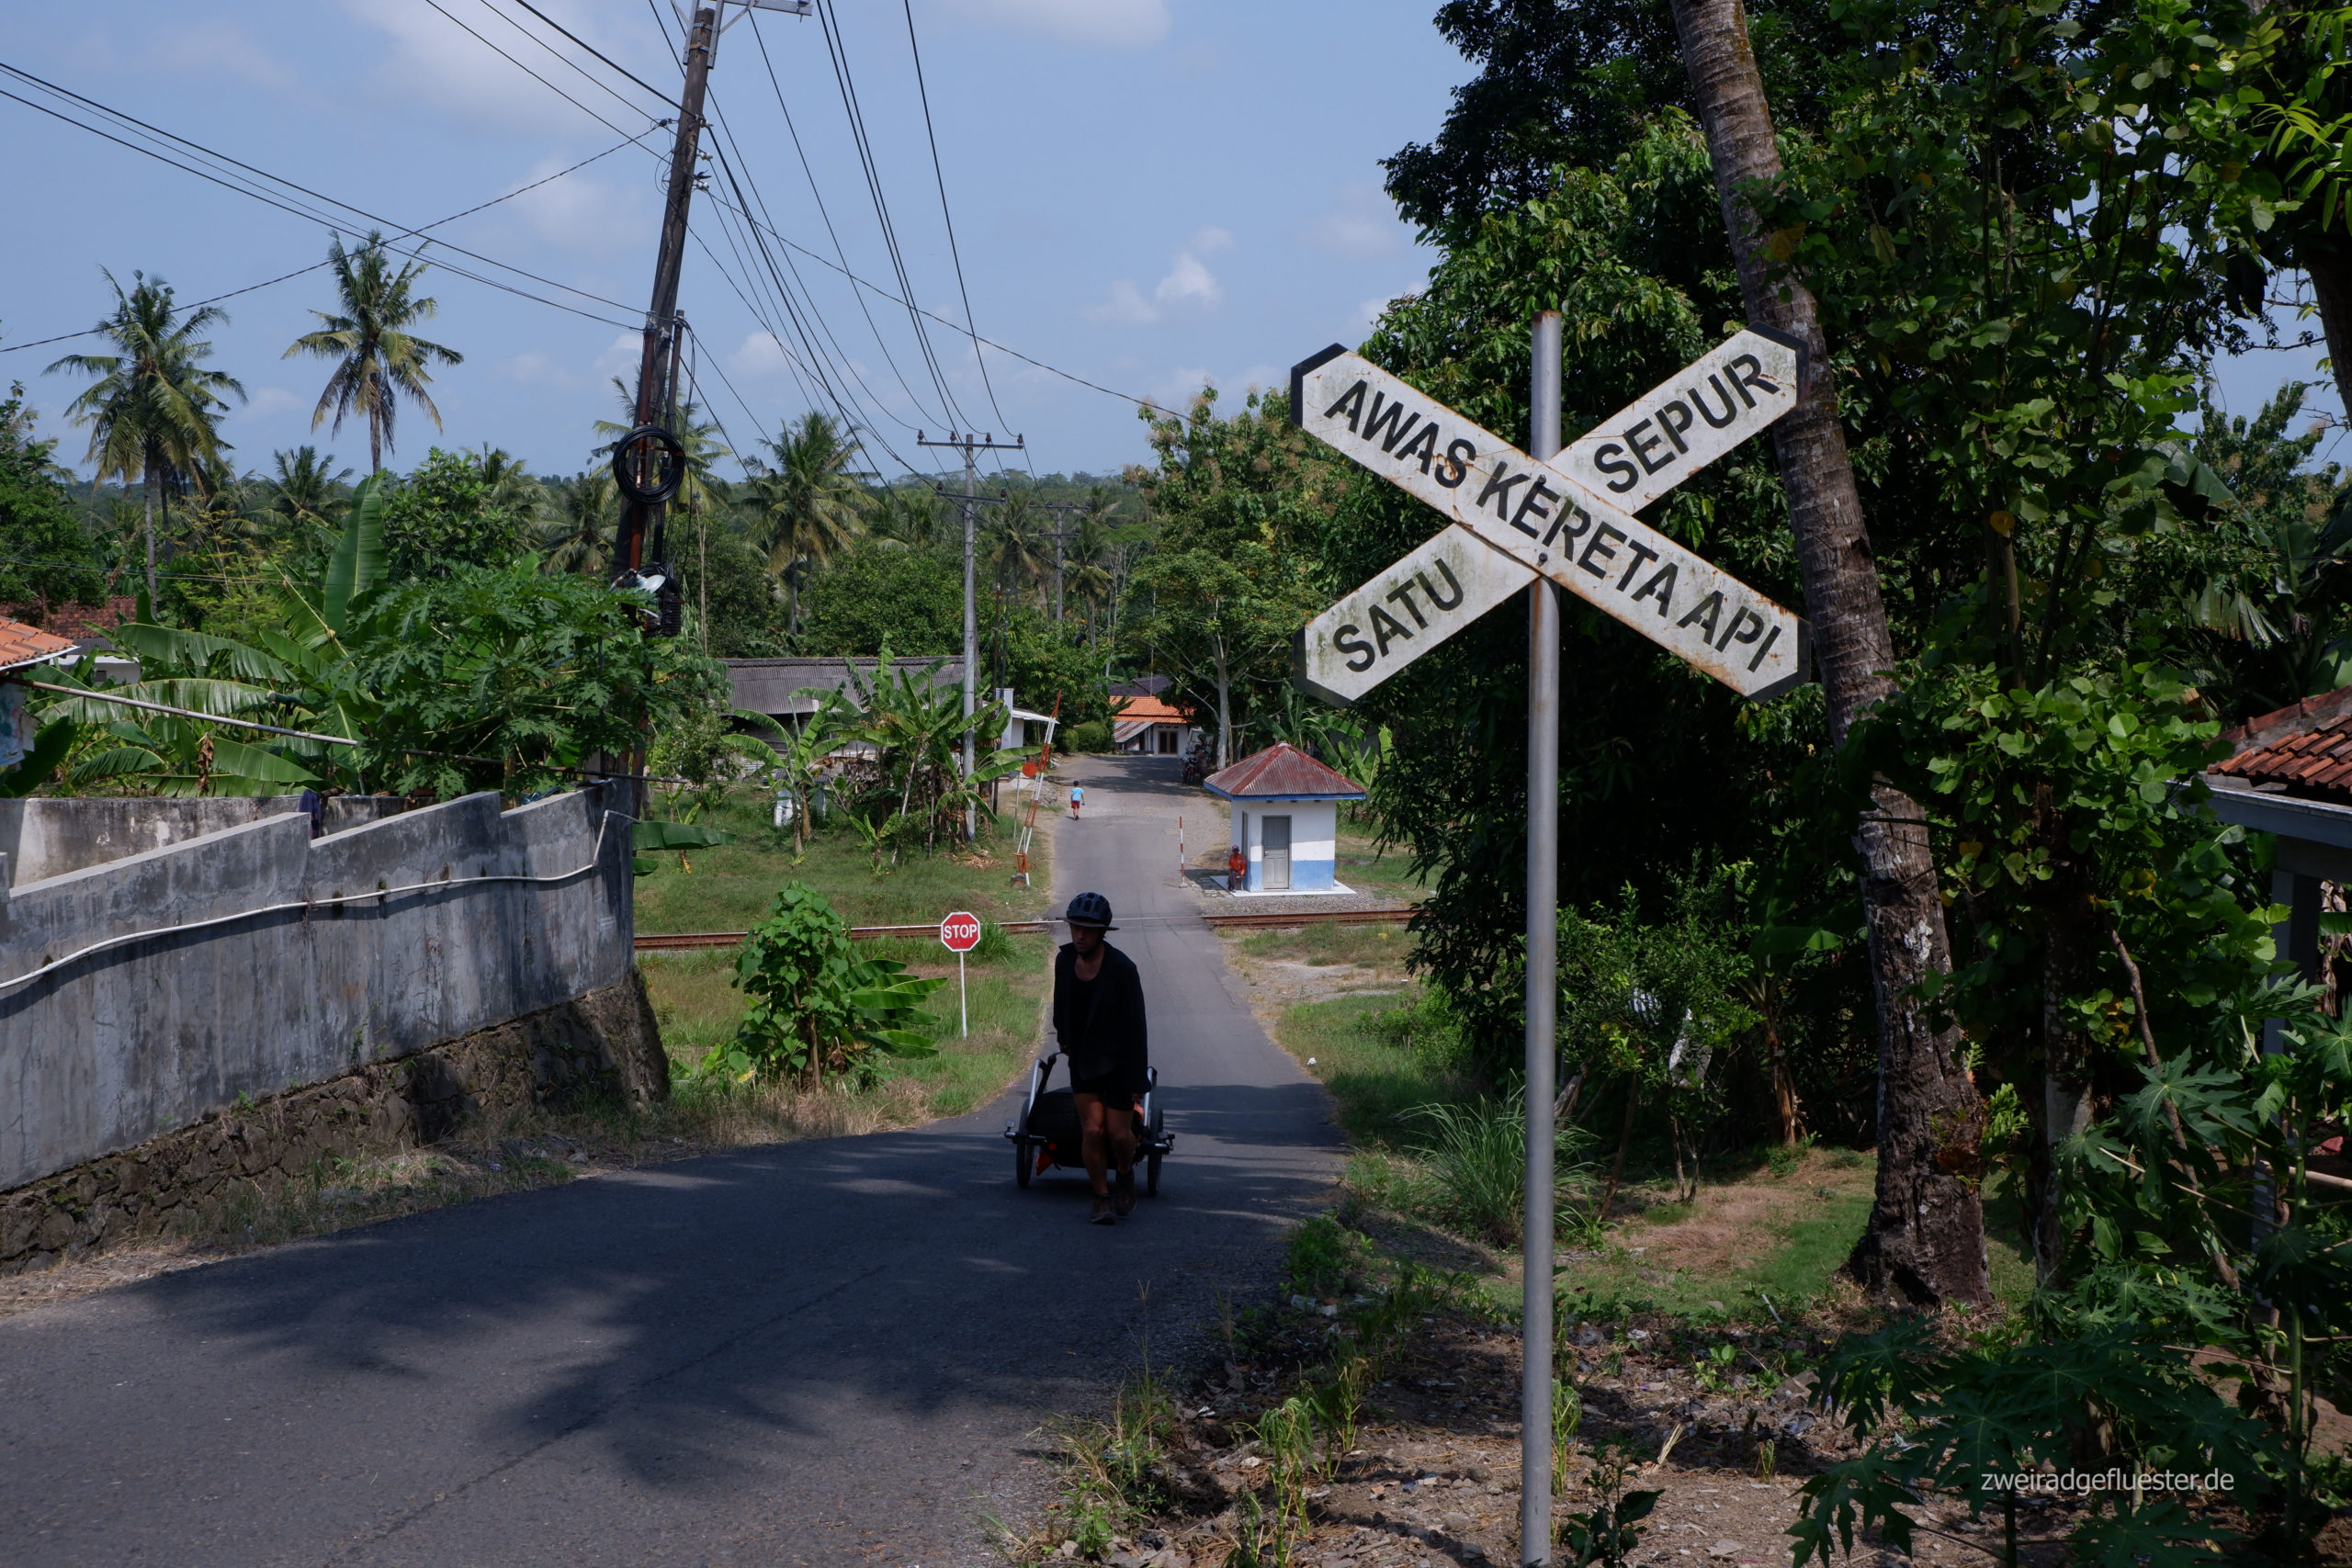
x=1287, y=818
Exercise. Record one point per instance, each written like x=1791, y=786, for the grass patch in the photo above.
x=1383, y=1056
x=1367, y=868
x=1382, y=950
x=728, y=888
x=1764, y=1236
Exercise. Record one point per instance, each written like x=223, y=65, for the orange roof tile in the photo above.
x=21, y=644
x=2306, y=747
x=1154, y=709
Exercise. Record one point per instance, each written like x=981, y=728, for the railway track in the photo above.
x=680, y=941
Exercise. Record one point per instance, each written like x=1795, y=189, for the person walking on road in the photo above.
x=1098, y=1019
x=1077, y=799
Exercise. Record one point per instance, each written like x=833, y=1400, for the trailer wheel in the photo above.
x=1025, y=1164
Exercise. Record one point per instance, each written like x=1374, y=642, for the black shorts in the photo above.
x=1118, y=1087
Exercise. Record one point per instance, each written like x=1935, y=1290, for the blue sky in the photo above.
x=1148, y=194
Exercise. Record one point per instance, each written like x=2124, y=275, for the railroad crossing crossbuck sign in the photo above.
x=1570, y=519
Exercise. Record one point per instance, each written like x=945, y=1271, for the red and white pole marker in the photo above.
x=959, y=933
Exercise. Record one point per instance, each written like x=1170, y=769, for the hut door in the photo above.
x=1276, y=848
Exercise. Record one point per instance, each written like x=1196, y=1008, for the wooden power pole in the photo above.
x=657, y=365
x=641, y=519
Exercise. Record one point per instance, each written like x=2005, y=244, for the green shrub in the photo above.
x=819, y=1005
x=1092, y=736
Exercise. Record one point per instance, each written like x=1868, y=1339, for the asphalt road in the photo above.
x=830, y=1353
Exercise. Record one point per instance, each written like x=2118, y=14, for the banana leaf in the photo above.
x=676, y=836
x=40, y=764
x=358, y=566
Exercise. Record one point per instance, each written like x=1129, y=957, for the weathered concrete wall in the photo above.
x=605, y=1041
x=113, y=1048
x=40, y=838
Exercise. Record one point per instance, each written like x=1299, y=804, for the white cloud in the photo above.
x=1364, y=225
x=1368, y=313
x=432, y=59
x=267, y=400
x=621, y=355
x=1189, y=282
x=217, y=48
x=537, y=367
x=1177, y=389
x=757, y=356
x=1126, y=305
x=580, y=212
x=1189, y=285
x=1105, y=24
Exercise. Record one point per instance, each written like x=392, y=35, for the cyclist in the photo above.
x=1099, y=1020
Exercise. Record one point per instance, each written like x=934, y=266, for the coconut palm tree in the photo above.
x=151, y=406
x=904, y=514
x=510, y=481
x=1011, y=542
x=378, y=359
x=1927, y=1227
x=810, y=505
x=579, y=536
x=302, y=490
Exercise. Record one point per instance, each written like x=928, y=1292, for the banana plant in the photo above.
x=294, y=679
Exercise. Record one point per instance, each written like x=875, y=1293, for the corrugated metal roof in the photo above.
x=1282, y=771
x=766, y=685
x=21, y=645
x=2306, y=747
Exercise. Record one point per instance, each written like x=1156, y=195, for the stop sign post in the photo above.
x=959, y=933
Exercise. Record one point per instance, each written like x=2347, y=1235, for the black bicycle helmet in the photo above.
x=1091, y=909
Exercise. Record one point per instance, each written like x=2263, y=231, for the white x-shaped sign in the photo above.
x=1570, y=519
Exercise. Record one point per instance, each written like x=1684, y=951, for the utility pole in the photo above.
x=970, y=445
x=657, y=364
x=641, y=519
x=1061, y=532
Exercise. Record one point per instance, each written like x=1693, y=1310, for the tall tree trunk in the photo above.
x=2072, y=940
x=1927, y=1228
x=149, y=482
x=1224, y=711
x=2328, y=264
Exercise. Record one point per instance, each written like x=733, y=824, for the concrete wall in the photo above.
x=606, y=1040
x=116, y=1047
x=40, y=838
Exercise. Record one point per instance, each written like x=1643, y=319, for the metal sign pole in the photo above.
x=1542, y=995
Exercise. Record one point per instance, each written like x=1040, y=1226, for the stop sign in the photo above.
x=960, y=933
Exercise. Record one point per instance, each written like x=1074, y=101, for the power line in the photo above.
x=569, y=63
x=827, y=216
x=948, y=218
x=598, y=52
x=846, y=371
x=856, y=118
x=221, y=158
x=527, y=70
x=958, y=327
x=406, y=234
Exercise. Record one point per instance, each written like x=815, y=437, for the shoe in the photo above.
x=1123, y=1196
x=1101, y=1214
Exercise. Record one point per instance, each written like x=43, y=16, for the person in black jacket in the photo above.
x=1098, y=1019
